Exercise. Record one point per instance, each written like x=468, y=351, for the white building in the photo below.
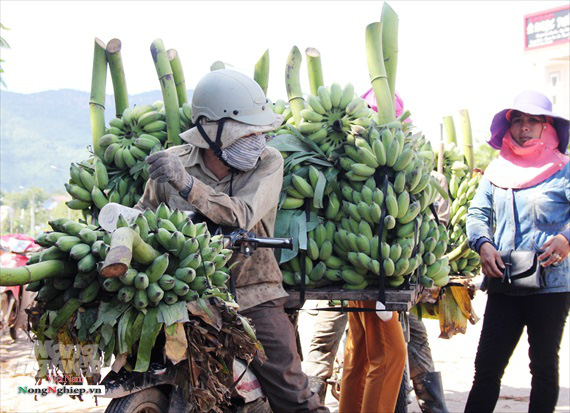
x=547, y=52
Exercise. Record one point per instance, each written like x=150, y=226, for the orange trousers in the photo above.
x=374, y=361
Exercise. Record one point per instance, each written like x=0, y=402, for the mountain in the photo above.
x=42, y=133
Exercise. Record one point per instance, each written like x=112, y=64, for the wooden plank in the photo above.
x=396, y=300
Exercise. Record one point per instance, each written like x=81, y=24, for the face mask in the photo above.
x=244, y=153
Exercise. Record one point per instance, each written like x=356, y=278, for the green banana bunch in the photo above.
x=462, y=188
x=333, y=115
x=355, y=208
x=131, y=138
x=185, y=116
x=194, y=262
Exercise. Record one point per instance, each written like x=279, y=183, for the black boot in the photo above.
x=429, y=392
x=319, y=387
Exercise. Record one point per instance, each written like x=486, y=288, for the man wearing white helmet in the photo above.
x=228, y=174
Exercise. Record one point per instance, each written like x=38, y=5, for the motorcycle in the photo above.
x=14, y=252
x=164, y=387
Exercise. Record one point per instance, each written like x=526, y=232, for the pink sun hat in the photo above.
x=533, y=103
x=370, y=98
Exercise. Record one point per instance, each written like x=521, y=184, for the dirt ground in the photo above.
x=454, y=358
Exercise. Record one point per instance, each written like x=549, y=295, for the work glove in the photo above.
x=166, y=167
x=383, y=314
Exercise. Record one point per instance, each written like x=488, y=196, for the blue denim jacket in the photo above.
x=524, y=220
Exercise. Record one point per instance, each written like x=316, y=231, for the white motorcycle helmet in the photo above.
x=229, y=94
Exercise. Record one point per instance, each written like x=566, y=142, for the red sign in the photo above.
x=547, y=28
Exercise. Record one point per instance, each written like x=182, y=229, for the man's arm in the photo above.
x=248, y=205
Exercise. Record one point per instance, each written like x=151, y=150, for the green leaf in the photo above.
x=134, y=333
x=150, y=329
x=83, y=321
x=319, y=191
x=172, y=313
x=125, y=324
x=109, y=313
x=108, y=352
x=107, y=331
x=289, y=143
x=309, y=142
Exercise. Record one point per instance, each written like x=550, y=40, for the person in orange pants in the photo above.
x=374, y=361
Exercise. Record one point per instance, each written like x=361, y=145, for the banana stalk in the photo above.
x=117, y=76
x=35, y=272
x=97, y=98
x=169, y=94
x=261, y=72
x=440, y=153
x=458, y=251
x=467, y=139
x=293, y=84
x=126, y=244
x=378, y=75
x=449, y=127
x=315, y=69
x=178, y=73
x=390, y=22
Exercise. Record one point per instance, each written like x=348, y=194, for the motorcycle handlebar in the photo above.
x=263, y=242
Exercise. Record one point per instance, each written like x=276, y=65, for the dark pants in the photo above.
x=544, y=315
x=281, y=376
x=419, y=353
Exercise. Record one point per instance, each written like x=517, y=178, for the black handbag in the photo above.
x=522, y=269
x=522, y=272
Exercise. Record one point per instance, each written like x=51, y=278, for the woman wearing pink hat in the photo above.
x=523, y=203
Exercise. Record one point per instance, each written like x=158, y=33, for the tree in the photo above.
x=4, y=45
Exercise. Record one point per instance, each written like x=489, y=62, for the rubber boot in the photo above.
x=429, y=392
x=319, y=387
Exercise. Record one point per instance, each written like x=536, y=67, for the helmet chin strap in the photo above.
x=216, y=145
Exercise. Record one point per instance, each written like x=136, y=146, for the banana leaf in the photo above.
x=108, y=351
x=107, y=331
x=319, y=191
x=288, y=143
x=309, y=142
x=83, y=321
x=150, y=329
x=109, y=313
x=172, y=313
x=293, y=223
x=176, y=344
x=125, y=323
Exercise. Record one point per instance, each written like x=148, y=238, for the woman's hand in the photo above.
x=491, y=263
x=556, y=249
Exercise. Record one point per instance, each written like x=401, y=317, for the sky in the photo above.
x=452, y=55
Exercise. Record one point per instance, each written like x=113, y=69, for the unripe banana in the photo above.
x=362, y=169
x=392, y=205
x=316, y=105
x=333, y=207
x=393, y=153
x=325, y=98
x=367, y=157
x=336, y=95
x=347, y=96
x=355, y=105
x=292, y=203
x=310, y=127
x=400, y=181
x=302, y=186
